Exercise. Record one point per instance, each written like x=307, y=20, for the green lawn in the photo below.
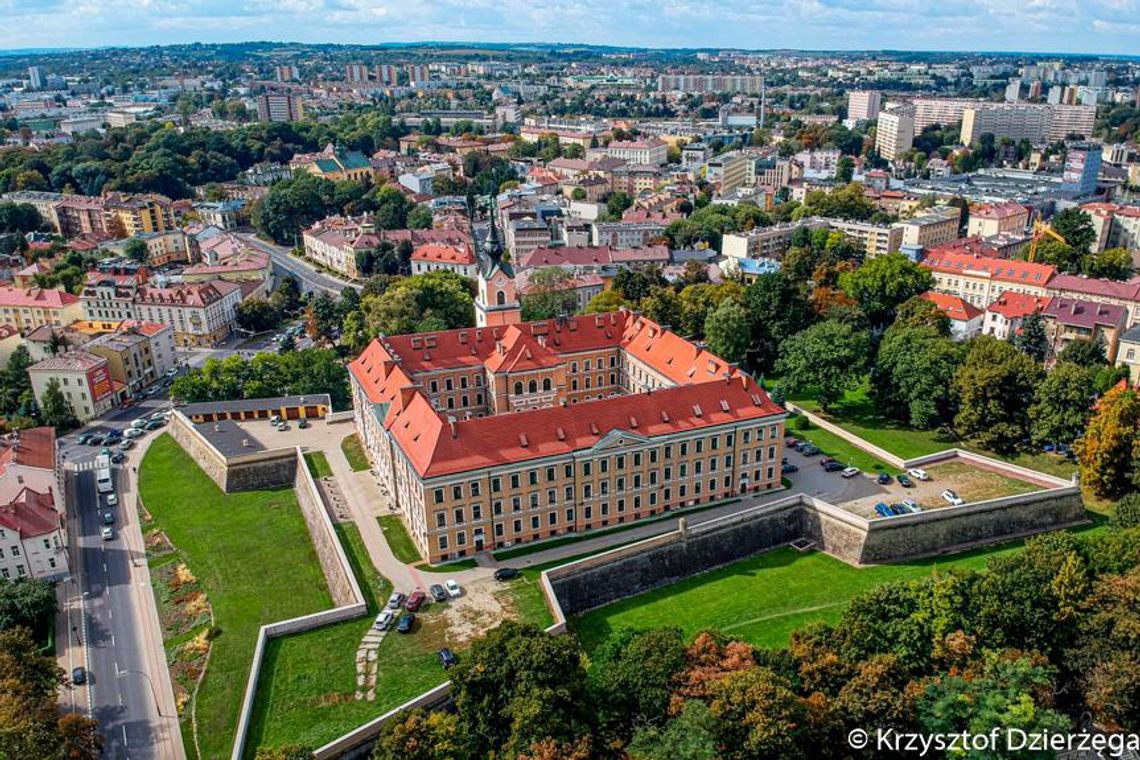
x=318, y=465
x=835, y=447
x=764, y=598
x=449, y=567
x=398, y=539
x=252, y=555
x=354, y=452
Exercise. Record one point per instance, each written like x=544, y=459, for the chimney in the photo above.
x=245, y=442
x=451, y=424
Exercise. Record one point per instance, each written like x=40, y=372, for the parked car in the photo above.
x=437, y=592
x=790, y=442
x=133, y=433
x=140, y=423
x=94, y=439
x=825, y=461
x=953, y=498
x=911, y=504
x=407, y=620
x=275, y=420
x=415, y=601
x=158, y=416
x=384, y=620
x=108, y=533
x=789, y=468
x=447, y=658
x=282, y=426
x=918, y=474
x=112, y=500
x=883, y=510
x=84, y=439
x=884, y=479
x=172, y=372
x=155, y=424
x=126, y=444
x=810, y=450
x=453, y=589
x=396, y=600
x=849, y=472
x=79, y=675
x=127, y=403
x=112, y=438
x=108, y=518
x=105, y=451
x=833, y=466
x=905, y=482
x=303, y=424
x=118, y=457
x=507, y=573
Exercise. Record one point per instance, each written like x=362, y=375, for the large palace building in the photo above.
x=510, y=432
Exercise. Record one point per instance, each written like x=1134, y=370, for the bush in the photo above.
x=1127, y=514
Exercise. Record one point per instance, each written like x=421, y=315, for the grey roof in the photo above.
x=1131, y=335
x=255, y=404
x=230, y=438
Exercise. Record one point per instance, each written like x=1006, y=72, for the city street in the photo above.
x=116, y=629
x=284, y=263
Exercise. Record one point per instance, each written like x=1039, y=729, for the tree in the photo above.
x=914, y=370
x=28, y=603
x=55, y=409
x=420, y=735
x=29, y=684
x=692, y=735
x=727, y=331
x=290, y=373
x=617, y=203
x=518, y=686
x=636, y=284
x=827, y=358
x=632, y=676
x=883, y=283
x=79, y=737
x=1076, y=227
x=759, y=715
x=324, y=317
x=993, y=390
x=286, y=297
x=844, y=169
x=20, y=218
x=1110, y=264
x=578, y=194
x=1062, y=404
x=550, y=293
x=1127, y=512
x=779, y=309
x=1031, y=338
x=604, y=302
x=919, y=312
x=439, y=300
x=1106, y=451
x=663, y=306
x=257, y=315
x=136, y=250
x=1084, y=352
x=420, y=218
x=1104, y=655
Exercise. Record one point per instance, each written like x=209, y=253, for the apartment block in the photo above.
x=279, y=107
x=84, y=379
x=864, y=105
x=894, y=135
x=997, y=219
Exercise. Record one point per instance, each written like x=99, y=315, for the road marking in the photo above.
x=125, y=743
x=112, y=639
x=110, y=614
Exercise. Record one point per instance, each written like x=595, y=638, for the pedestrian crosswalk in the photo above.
x=85, y=466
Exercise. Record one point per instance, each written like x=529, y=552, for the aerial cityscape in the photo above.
x=643, y=396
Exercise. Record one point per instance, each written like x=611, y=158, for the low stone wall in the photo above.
x=358, y=742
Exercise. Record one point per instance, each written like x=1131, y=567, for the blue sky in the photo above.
x=1078, y=26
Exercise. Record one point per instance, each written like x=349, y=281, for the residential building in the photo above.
x=997, y=218
x=625, y=234
x=981, y=279
x=965, y=319
x=10, y=340
x=730, y=170
x=139, y=214
x=77, y=215
x=110, y=291
x=1005, y=315
x=37, y=79
x=84, y=379
x=335, y=163
x=1128, y=353
x=1116, y=226
x=585, y=286
x=28, y=308
x=1123, y=294
x=1069, y=319
x=224, y=215
x=765, y=242
x=356, y=73
x=524, y=235
x=489, y=438
x=33, y=537
x=162, y=248
x=279, y=107
x=1082, y=167
x=696, y=83
x=876, y=239
x=895, y=133
x=937, y=226
x=131, y=358
x=455, y=257
x=29, y=459
x=201, y=314
x=649, y=151
x=417, y=73
x=864, y=105
x=592, y=258
x=695, y=154
x=387, y=74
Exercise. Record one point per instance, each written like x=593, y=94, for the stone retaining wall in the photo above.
x=248, y=472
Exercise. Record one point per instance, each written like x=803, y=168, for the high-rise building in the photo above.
x=418, y=73
x=286, y=73
x=1013, y=91
x=279, y=107
x=36, y=77
x=710, y=83
x=356, y=72
x=1082, y=166
x=864, y=105
x=386, y=74
x=895, y=133
x=1036, y=122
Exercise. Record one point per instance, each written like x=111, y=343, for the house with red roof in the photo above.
x=1004, y=316
x=981, y=279
x=992, y=219
x=965, y=318
x=28, y=308
x=490, y=437
x=451, y=257
x=32, y=537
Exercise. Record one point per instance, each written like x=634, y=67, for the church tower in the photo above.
x=497, y=299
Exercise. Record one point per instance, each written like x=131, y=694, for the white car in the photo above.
x=384, y=620
x=133, y=433
x=850, y=472
x=453, y=589
x=108, y=533
x=911, y=505
x=158, y=416
x=953, y=498
x=918, y=474
x=112, y=500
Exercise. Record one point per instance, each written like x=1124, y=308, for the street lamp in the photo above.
x=153, y=691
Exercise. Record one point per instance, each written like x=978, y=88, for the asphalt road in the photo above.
x=123, y=699
x=285, y=263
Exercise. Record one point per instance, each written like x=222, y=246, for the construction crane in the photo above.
x=1040, y=231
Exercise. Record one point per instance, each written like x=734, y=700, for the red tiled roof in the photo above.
x=1017, y=305
x=30, y=514
x=953, y=306
x=1072, y=311
x=998, y=210
x=35, y=448
x=36, y=297
x=1003, y=270
x=444, y=253
x=1128, y=290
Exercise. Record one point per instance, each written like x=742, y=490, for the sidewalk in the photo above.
x=70, y=633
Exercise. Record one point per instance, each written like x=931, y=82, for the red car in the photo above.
x=790, y=442
x=415, y=601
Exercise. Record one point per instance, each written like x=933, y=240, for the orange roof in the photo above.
x=446, y=254
x=974, y=265
x=953, y=306
x=34, y=448
x=1017, y=305
x=708, y=392
x=36, y=297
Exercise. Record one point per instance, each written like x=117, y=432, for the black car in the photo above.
x=118, y=457
x=833, y=466
x=437, y=592
x=810, y=450
x=84, y=439
x=79, y=675
x=905, y=482
x=95, y=440
x=789, y=468
x=406, y=622
x=155, y=424
x=884, y=479
x=507, y=573
x=447, y=658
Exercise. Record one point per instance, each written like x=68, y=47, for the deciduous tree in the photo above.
x=993, y=390
x=827, y=358
x=1106, y=451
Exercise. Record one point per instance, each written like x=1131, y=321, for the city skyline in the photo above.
x=1106, y=27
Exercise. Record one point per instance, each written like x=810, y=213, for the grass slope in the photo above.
x=254, y=559
x=398, y=539
x=318, y=465
x=354, y=453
